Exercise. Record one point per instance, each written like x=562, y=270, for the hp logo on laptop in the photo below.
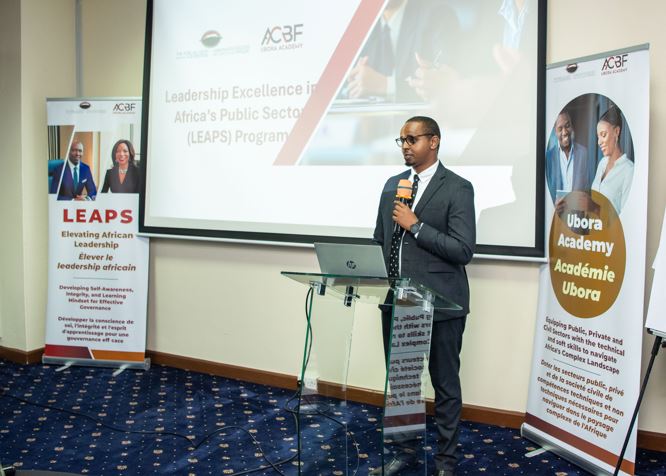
x=351, y=264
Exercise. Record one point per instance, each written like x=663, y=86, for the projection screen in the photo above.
x=274, y=121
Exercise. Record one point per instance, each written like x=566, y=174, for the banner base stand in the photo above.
x=526, y=431
x=537, y=452
x=114, y=364
x=65, y=366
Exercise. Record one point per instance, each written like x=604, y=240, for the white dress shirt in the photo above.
x=616, y=185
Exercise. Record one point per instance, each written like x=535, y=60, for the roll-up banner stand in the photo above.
x=587, y=349
x=97, y=266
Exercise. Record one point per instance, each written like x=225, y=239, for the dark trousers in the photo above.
x=444, y=367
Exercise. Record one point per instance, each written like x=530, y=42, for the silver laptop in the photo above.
x=351, y=260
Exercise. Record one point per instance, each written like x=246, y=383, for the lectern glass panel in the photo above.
x=404, y=421
x=323, y=390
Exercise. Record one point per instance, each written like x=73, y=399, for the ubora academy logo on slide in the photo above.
x=212, y=43
x=211, y=39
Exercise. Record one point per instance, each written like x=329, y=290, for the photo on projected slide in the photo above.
x=462, y=63
x=401, y=42
x=590, y=148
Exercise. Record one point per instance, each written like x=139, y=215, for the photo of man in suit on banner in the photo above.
x=73, y=180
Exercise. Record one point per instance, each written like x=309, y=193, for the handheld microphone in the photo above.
x=403, y=195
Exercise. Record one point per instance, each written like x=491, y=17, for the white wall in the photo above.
x=47, y=70
x=38, y=38
x=227, y=302
x=11, y=330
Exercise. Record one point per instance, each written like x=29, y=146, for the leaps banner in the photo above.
x=587, y=349
x=98, y=266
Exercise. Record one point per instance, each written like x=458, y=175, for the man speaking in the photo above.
x=431, y=240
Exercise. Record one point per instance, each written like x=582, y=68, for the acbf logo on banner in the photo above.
x=615, y=64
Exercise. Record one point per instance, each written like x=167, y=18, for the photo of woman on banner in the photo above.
x=586, y=144
x=615, y=170
x=124, y=176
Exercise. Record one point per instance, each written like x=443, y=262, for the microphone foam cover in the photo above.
x=404, y=189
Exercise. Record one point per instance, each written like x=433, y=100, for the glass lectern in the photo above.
x=328, y=432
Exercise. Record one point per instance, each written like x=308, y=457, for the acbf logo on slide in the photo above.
x=615, y=64
x=282, y=37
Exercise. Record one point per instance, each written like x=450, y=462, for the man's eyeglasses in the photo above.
x=411, y=140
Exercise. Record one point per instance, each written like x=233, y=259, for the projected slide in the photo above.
x=275, y=121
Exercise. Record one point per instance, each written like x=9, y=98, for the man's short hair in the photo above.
x=430, y=125
x=565, y=112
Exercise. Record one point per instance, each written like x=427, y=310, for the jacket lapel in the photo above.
x=435, y=184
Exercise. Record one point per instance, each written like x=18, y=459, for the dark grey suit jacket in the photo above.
x=445, y=244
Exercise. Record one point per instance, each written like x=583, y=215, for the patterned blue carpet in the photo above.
x=170, y=422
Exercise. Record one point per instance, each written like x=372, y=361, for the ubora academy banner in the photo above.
x=587, y=349
x=98, y=266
